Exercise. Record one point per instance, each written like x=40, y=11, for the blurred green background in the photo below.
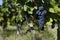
x=12, y=12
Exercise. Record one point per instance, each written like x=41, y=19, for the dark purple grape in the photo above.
x=41, y=8
x=37, y=11
x=44, y=12
x=41, y=11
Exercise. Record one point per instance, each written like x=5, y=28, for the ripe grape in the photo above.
x=41, y=8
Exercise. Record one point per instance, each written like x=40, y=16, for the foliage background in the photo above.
x=12, y=11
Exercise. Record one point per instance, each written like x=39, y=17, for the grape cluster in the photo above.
x=41, y=12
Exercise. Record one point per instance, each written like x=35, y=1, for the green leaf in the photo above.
x=52, y=10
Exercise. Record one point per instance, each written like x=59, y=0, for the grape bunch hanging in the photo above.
x=41, y=15
x=41, y=12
